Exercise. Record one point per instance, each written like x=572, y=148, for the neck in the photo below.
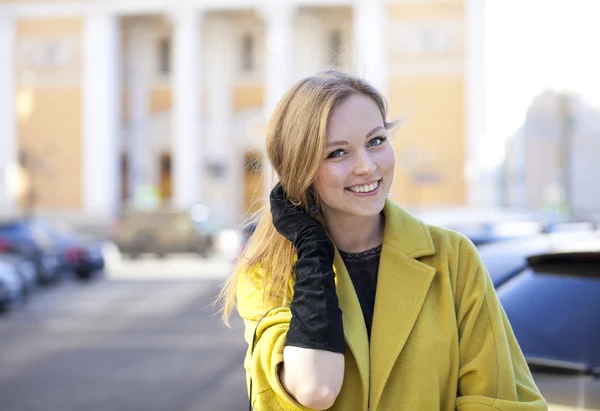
x=355, y=234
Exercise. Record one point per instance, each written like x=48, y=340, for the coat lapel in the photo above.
x=402, y=286
x=355, y=331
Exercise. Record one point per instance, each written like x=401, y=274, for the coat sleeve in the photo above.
x=263, y=362
x=493, y=373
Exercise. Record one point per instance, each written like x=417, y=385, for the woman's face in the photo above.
x=358, y=166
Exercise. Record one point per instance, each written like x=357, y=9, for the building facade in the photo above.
x=551, y=161
x=110, y=104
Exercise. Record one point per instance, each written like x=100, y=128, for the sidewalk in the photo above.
x=173, y=267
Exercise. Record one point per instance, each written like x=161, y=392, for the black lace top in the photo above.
x=363, y=268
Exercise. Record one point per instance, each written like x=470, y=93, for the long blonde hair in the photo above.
x=296, y=141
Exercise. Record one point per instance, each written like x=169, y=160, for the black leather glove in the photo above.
x=316, y=317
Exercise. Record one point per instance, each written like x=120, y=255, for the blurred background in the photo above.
x=132, y=150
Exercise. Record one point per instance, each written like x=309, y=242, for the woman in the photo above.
x=398, y=315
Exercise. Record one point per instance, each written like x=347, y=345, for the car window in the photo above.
x=555, y=316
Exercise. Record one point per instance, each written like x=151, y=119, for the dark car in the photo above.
x=554, y=310
x=19, y=236
x=11, y=287
x=85, y=258
x=549, y=287
x=505, y=260
x=81, y=257
x=26, y=269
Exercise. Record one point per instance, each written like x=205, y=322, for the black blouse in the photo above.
x=363, y=268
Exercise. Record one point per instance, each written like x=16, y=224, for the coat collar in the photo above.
x=406, y=233
x=402, y=286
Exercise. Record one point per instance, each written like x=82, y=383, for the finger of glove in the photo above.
x=281, y=206
x=291, y=220
x=278, y=197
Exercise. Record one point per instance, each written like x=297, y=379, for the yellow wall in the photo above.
x=160, y=99
x=427, y=89
x=432, y=135
x=51, y=132
x=245, y=96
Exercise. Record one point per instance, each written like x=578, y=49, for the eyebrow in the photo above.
x=344, y=142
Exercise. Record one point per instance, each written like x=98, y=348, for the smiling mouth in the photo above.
x=365, y=188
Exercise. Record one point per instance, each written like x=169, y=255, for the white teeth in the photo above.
x=364, y=188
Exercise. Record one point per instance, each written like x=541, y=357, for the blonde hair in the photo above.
x=296, y=141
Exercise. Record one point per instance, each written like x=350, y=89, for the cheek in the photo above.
x=387, y=161
x=331, y=177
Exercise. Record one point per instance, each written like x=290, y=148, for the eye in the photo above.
x=335, y=153
x=377, y=141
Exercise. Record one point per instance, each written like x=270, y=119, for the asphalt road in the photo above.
x=121, y=344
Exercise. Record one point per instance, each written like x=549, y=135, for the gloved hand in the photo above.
x=316, y=317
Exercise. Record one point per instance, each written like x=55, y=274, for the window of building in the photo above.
x=335, y=48
x=164, y=56
x=247, y=53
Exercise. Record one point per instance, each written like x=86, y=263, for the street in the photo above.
x=121, y=342
x=143, y=336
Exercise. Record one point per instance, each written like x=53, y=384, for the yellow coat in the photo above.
x=440, y=339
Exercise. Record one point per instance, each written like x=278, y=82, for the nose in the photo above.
x=365, y=165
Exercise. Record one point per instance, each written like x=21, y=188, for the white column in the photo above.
x=222, y=149
x=8, y=126
x=371, y=58
x=310, y=46
x=187, y=159
x=101, y=114
x=476, y=99
x=279, y=18
x=139, y=66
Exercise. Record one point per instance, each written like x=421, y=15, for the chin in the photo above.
x=370, y=210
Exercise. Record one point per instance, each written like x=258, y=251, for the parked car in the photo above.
x=505, y=260
x=20, y=236
x=161, y=232
x=554, y=308
x=84, y=258
x=25, y=268
x=549, y=287
x=11, y=287
x=81, y=257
